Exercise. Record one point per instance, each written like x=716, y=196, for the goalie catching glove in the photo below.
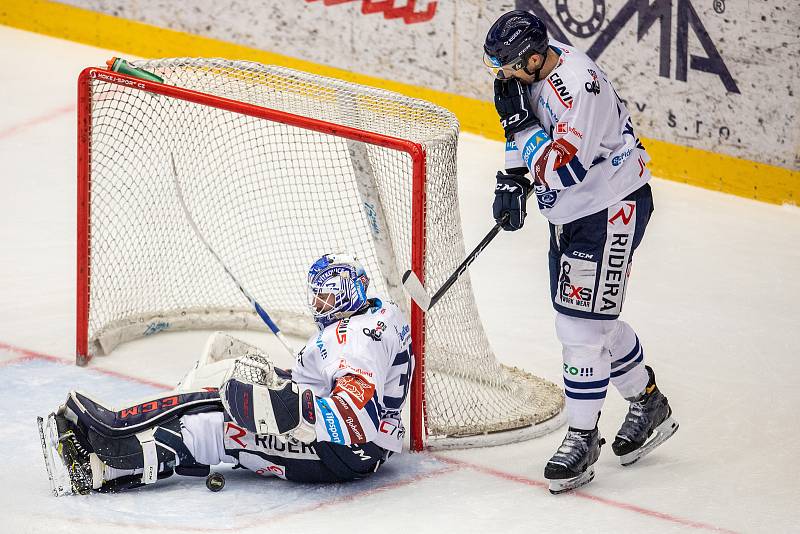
x=262, y=402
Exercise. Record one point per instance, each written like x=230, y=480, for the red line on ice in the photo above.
x=50, y=115
x=453, y=463
x=583, y=495
x=26, y=354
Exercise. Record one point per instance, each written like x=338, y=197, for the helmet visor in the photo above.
x=504, y=72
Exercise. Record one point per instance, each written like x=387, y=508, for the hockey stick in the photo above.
x=417, y=292
x=259, y=310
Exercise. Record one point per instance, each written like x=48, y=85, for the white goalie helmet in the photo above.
x=337, y=288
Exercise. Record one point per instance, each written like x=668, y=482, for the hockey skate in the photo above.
x=572, y=465
x=67, y=456
x=649, y=423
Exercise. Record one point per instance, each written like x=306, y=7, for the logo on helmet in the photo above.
x=511, y=39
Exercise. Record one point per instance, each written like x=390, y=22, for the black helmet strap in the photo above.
x=538, y=71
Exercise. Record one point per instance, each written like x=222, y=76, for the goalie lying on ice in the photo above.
x=334, y=417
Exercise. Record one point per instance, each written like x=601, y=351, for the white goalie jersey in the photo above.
x=585, y=156
x=360, y=370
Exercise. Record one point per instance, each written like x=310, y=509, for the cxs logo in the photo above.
x=411, y=11
x=647, y=13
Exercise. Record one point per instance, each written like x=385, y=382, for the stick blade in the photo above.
x=416, y=291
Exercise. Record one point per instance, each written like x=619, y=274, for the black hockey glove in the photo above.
x=511, y=102
x=510, y=196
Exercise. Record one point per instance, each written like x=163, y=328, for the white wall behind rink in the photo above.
x=719, y=75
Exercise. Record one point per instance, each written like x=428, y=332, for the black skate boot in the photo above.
x=572, y=465
x=68, y=456
x=649, y=423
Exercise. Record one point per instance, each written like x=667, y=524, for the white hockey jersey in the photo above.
x=360, y=370
x=586, y=156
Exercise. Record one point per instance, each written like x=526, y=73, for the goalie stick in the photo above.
x=416, y=290
x=259, y=310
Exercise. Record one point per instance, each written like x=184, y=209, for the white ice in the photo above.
x=714, y=297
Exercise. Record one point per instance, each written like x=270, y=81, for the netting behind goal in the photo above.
x=276, y=168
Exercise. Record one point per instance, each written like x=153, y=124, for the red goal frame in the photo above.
x=415, y=150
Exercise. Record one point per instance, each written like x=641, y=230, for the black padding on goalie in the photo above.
x=125, y=452
x=128, y=421
x=351, y=462
x=286, y=407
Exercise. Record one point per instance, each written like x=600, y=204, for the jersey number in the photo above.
x=405, y=358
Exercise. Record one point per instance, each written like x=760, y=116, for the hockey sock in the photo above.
x=628, y=373
x=586, y=368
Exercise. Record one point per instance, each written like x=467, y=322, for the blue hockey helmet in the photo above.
x=511, y=41
x=337, y=288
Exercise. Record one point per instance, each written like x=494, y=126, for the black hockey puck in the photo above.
x=215, y=481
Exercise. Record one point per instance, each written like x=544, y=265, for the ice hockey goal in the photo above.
x=277, y=167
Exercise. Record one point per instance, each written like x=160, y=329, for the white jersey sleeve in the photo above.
x=585, y=156
x=360, y=370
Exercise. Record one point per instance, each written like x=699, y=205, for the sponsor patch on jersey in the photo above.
x=535, y=142
x=576, y=281
x=323, y=352
x=377, y=332
x=288, y=449
x=565, y=150
x=344, y=364
x=544, y=104
x=511, y=146
x=620, y=158
x=403, y=333
x=331, y=422
x=578, y=371
x=235, y=433
x=341, y=331
x=562, y=128
x=560, y=89
x=354, y=428
x=359, y=389
x=593, y=86
x=617, y=253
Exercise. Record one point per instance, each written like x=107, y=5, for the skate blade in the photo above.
x=662, y=433
x=56, y=470
x=568, y=484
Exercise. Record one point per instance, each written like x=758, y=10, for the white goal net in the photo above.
x=278, y=167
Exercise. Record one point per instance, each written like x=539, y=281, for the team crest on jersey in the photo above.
x=545, y=196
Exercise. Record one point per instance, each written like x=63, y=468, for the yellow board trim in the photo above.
x=767, y=183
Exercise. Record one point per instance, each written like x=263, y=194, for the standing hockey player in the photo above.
x=334, y=417
x=565, y=124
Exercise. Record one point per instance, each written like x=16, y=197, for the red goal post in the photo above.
x=217, y=114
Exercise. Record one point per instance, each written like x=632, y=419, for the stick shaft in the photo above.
x=259, y=310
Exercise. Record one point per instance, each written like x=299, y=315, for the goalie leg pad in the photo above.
x=142, y=443
x=128, y=421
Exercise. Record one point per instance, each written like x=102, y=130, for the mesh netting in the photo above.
x=270, y=198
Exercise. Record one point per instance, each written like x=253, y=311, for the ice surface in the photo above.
x=713, y=295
